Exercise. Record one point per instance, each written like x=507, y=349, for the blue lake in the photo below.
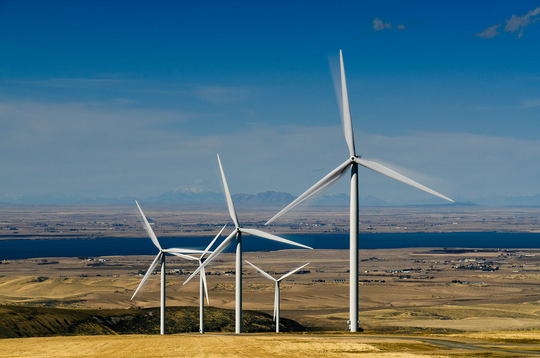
x=23, y=249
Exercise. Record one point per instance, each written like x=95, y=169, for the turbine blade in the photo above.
x=148, y=228
x=268, y=236
x=188, y=257
x=321, y=184
x=203, y=276
x=379, y=168
x=182, y=251
x=216, y=252
x=230, y=204
x=265, y=274
x=215, y=238
x=292, y=272
x=275, y=300
x=346, y=112
x=148, y=273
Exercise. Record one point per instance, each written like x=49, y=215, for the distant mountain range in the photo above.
x=199, y=196
x=186, y=196
x=506, y=200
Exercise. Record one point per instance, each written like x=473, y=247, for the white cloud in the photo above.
x=518, y=23
x=515, y=23
x=72, y=146
x=490, y=32
x=75, y=148
x=378, y=25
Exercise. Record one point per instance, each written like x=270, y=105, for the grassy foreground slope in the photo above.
x=263, y=345
x=20, y=321
x=208, y=345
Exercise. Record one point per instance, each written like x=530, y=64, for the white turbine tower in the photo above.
x=353, y=161
x=203, y=287
x=160, y=258
x=276, y=294
x=237, y=232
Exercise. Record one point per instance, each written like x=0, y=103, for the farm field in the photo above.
x=414, y=302
x=272, y=345
x=96, y=221
x=401, y=290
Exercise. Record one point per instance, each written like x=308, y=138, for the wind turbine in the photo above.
x=237, y=232
x=276, y=294
x=353, y=161
x=160, y=258
x=203, y=287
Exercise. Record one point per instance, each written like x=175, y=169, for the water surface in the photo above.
x=23, y=249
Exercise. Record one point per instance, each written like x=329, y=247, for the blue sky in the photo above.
x=116, y=98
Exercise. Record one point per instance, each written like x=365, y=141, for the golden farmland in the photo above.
x=432, y=296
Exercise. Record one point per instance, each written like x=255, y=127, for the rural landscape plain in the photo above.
x=413, y=301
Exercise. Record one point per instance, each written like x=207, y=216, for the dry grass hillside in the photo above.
x=20, y=321
x=270, y=345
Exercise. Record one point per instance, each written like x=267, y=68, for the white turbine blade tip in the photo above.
x=187, y=257
x=215, y=238
x=148, y=228
x=268, y=236
x=264, y=273
x=190, y=277
x=182, y=251
x=276, y=303
x=203, y=277
x=228, y=197
x=346, y=112
x=379, y=168
x=148, y=273
x=293, y=271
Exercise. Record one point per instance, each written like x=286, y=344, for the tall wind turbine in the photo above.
x=203, y=287
x=353, y=161
x=160, y=258
x=237, y=232
x=276, y=294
